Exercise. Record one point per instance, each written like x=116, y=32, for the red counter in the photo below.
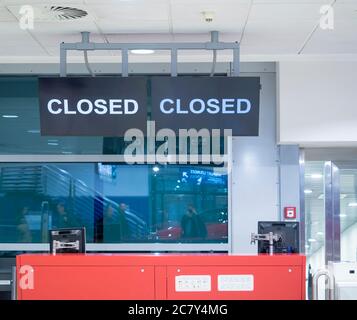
x=162, y=276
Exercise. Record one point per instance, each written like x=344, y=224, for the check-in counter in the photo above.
x=160, y=276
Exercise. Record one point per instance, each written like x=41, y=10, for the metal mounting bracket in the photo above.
x=173, y=47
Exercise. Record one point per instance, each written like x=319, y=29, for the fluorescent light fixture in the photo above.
x=352, y=204
x=10, y=116
x=320, y=233
x=34, y=131
x=312, y=240
x=316, y=175
x=67, y=152
x=142, y=51
x=342, y=215
x=322, y=196
x=52, y=143
x=156, y=169
x=307, y=191
x=52, y=140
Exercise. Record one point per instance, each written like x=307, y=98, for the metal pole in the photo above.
x=271, y=243
x=174, y=63
x=214, y=36
x=330, y=284
x=236, y=58
x=85, y=36
x=13, y=284
x=63, y=61
x=124, y=63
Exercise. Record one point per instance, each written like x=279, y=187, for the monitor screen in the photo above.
x=288, y=232
x=107, y=172
x=67, y=240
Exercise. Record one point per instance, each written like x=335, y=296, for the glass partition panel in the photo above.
x=116, y=203
x=315, y=214
x=20, y=123
x=348, y=214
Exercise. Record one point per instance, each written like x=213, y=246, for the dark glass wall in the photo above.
x=115, y=203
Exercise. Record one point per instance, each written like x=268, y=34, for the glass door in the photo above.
x=348, y=211
x=322, y=218
x=315, y=242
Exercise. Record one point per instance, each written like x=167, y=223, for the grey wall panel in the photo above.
x=289, y=178
x=255, y=188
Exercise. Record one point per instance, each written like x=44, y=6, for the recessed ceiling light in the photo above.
x=307, y=191
x=10, y=116
x=156, y=169
x=33, y=131
x=142, y=51
x=352, y=204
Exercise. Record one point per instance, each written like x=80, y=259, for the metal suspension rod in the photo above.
x=213, y=45
x=85, y=39
x=214, y=39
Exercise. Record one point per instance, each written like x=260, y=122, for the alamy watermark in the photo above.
x=189, y=146
x=327, y=19
x=27, y=17
x=26, y=277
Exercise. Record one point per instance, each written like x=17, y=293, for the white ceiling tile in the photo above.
x=275, y=38
x=345, y=11
x=288, y=12
x=42, y=2
x=131, y=11
x=274, y=26
x=132, y=26
x=5, y=15
x=228, y=16
x=17, y=51
x=12, y=35
x=131, y=16
x=341, y=40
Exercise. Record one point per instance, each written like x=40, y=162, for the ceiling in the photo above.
x=268, y=30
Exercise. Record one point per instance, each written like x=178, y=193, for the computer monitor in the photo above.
x=67, y=240
x=288, y=232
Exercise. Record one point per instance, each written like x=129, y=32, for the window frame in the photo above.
x=122, y=247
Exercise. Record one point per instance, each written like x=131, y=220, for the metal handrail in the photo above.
x=133, y=219
x=330, y=284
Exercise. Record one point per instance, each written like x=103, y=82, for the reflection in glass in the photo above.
x=348, y=214
x=115, y=203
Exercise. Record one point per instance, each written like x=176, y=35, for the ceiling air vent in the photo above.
x=66, y=13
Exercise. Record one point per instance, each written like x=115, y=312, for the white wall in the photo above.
x=317, y=103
